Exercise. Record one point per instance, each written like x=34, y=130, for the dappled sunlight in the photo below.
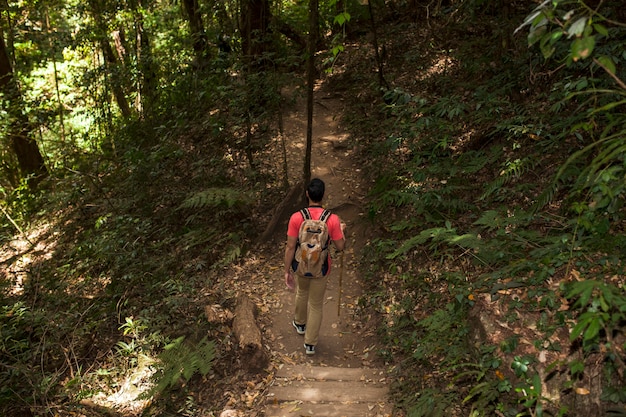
x=127, y=398
x=18, y=255
x=440, y=66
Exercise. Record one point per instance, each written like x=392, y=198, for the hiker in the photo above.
x=307, y=258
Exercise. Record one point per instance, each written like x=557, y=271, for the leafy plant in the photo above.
x=180, y=361
x=445, y=235
x=603, y=310
x=224, y=198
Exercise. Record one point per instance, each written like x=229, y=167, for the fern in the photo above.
x=610, y=148
x=437, y=235
x=433, y=403
x=181, y=360
x=512, y=170
x=227, y=198
x=471, y=162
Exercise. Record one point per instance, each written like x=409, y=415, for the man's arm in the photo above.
x=290, y=250
x=340, y=244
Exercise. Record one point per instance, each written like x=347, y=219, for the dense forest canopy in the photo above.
x=142, y=140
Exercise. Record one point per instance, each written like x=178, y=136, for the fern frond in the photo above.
x=217, y=197
x=612, y=147
x=437, y=235
x=233, y=252
x=181, y=360
x=513, y=170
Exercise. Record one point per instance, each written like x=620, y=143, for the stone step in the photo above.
x=332, y=373
x=328, y=392
x=296, y=409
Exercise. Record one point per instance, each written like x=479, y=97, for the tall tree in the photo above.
x=313, y=36
x=196, y=27
x=147, y=68
x=110, y=58
x=255, y=16
x=30, y=160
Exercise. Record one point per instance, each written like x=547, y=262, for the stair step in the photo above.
x=331, y=373
x=328, y=392
x=296, y=409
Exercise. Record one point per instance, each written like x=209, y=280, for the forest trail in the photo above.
x=344, y=377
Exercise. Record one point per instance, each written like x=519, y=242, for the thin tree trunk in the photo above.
x=382, y=82
x=148, y=79
x=30, y=160
x=111, y=61
x=56, y=79
x=313, y=29
x=196, y=28
x=281, y=132
x=118, y=91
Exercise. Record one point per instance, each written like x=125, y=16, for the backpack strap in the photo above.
x=324, y=217
x=306, y=215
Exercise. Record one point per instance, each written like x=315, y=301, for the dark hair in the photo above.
x=316, y=190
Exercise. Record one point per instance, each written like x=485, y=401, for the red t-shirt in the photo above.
x=333, y=223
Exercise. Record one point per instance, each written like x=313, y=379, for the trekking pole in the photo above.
x=340, y=283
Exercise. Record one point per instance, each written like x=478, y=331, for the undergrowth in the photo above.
x=114, y=305
x=499, y=269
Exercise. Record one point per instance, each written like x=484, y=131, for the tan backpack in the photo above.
x=311, y=258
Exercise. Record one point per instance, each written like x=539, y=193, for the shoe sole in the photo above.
x=298, y=330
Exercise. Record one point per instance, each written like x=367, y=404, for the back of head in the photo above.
x=316, y=190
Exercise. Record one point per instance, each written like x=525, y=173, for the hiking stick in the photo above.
x=340, y=282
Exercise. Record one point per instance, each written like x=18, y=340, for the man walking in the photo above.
x=307, y=257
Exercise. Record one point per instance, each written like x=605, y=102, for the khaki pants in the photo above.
x=309, y=306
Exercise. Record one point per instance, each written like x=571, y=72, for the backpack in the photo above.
x=311, y=259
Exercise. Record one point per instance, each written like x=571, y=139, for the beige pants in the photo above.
x=309, y=306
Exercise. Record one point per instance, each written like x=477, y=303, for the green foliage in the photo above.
x=218, y=198
x=181, y=361
x=445, y=235
x=511, y=184
x=432, y=403
x=602, y=309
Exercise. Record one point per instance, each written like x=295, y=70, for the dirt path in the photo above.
x=345, y=339
x=347, y=336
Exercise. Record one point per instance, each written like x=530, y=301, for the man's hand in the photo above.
x=290, y=281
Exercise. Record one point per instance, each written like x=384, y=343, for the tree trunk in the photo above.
x=382, y=82
x=199, y=40
x=147, y=70
x=111, y=60
x=26, y=150
x=313, y=29
x=255, y=22
x=118, y=91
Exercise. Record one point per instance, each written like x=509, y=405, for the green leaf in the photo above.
x=536, y=34
x=576, y=367
x=342, y=18
x=583, y=321
x=577, y=28
x=593, y=329
x=601, y=29
x=556, y=35
x=583, y=291
x=547, y=50
x=607, y=63
x=337, y=49
x=583, y=47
